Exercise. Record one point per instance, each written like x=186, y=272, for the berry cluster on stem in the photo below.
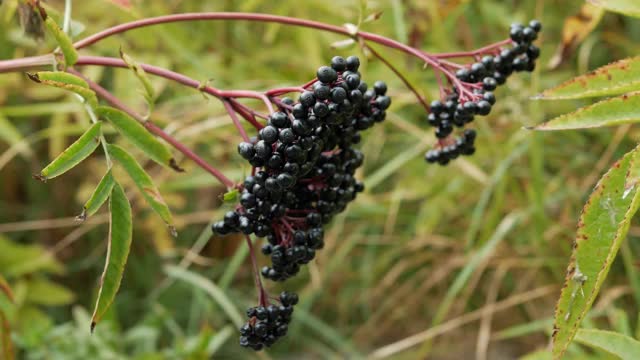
x=303, y=157
x=303, y=163
x=471, y=90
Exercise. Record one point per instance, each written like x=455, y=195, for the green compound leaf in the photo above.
x=139, y=136
x=120, y=236
x=63, y=40
x=63, y=80
x=614, y=79
x=620, y=110
x=144, y=183
x=602, y=227
x=625, y=347
x=625, y=7
x=99, y=196
x=73, y=155
x=149, y=93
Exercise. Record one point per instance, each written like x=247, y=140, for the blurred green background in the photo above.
x=456, y=262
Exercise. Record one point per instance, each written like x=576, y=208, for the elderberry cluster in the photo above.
x=472, y=93
x=267, y=323
x=304, y=162
x=463, y=145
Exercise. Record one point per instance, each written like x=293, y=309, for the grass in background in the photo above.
x=464, y=261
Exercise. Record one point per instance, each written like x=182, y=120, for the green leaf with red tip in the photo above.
x=120, y=237
x=98, y=197
x=620, y=110
x=64, y=80
x=139, y=136
x=73, y=155
x=625, y=7
x=602, y=227
x=617, y=78
x=144, y=183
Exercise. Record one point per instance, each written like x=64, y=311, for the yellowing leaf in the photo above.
x=625, y=7
x=576, y=28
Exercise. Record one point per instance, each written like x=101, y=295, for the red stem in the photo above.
x=184, y=80
x=284, y=90
x=473, y=53
x=406, y=82
x=236, y=121
x=428, y=58
x=262, y=293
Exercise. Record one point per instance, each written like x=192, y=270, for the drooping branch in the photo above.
x=432, y=60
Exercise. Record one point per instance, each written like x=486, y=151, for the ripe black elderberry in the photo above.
x=304, y=163
x=268, y=323
x=472, y=94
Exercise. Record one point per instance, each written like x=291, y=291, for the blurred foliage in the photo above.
x=426, y=251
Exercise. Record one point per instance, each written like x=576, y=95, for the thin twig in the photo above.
x=406, y=81
x=262, y=294
x=236, y=121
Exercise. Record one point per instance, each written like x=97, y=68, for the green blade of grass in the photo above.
x=218, y=295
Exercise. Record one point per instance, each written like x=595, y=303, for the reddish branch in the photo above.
x=154, y=129
x=430, y=59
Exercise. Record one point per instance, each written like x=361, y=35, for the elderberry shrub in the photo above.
x=268, y=323
x=304, y=162
x=475, y=96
